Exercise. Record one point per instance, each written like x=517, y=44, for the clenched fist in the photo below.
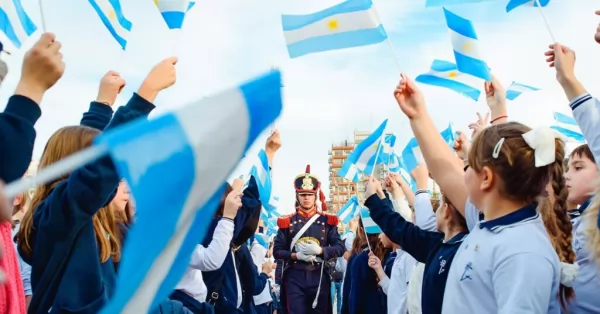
x=110, y=86
x=162, y=76
x=43, y=66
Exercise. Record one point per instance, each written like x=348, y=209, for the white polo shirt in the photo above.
x=505, y=266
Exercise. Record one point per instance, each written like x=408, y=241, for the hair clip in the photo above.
x=497, y=149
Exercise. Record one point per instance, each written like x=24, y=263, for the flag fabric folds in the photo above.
x=366, y=154
x=568, y=127
x=516, y=89
x=439, y=3
x=192, y=151
x=368, y=223
x=349, y=24
x=445, y=74
x=15, y=23
x=349, y=172
x=173, y=11
x=513, y=4
x=347, y=212
x=260, y=170
x=111, y=15
x=466, y=47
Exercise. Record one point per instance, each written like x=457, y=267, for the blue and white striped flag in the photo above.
x=465, y=44
x=261, y=172
x=370, y=226
x=349, y=172
x=568, y=127
x=439, y=3
x=347, y=212
x=445, y=74
x=111, y=14
x=411, y=154
x=178, y=181
x=349, y=24
x=513, y=4
x=173, y=11
x=389, y=144
x=516, y=89
x=262, y=239
x=14, y=22
x=367, y=153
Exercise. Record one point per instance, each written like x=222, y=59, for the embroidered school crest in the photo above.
x=442, y=266
x=467, y=272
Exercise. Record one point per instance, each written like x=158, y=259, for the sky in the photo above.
x=327, y=95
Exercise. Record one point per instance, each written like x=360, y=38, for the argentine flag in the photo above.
x=260, y=170
x=15, y=23
x=568, y=127
x=439, y=3
x=111, y=14
x=513, y=4
x=389, y=143
x=349, y=172
x=348, y=212
x=367, y=154
x=173, y=11
x=177, y=181
x=349, y=24
x=411, y=154
x=516, y=89
x=370, y=226
x=445, y=74
x=465, y=44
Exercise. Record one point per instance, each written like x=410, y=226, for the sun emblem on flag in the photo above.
x=332, y=24
x=467, y=47
x=452, y=74
x=112, y=15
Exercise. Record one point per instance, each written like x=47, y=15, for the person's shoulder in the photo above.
x=332, y=219
x=284, y=222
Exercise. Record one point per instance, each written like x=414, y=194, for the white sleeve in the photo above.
x=340, y=264
x=401, y=206
x=212, y=257
x=424, y=215
x=586, y=111
x=384, y=283
x=258, y=253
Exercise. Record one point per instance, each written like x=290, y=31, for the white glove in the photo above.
x=309, y=248
x=305, y=257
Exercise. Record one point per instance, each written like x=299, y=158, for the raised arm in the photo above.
x=438, y=156
x=100, y=112
x=212, y=257
x=42, y=68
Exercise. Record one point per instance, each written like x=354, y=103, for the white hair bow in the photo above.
x=542, y=140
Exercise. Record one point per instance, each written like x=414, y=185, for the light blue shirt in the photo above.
x=24, y=268
x=505, y=266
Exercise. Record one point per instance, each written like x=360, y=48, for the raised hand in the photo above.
x=563, y=59
x=409, y=98
x=233, y=201
x=495, y=95
x=162, y=76
x=110, y=86
x=482, y=122
x=373, y=186
x=462, y=145
x=273, y=142
x=42, y=67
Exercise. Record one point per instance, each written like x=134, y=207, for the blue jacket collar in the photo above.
x=521, y=215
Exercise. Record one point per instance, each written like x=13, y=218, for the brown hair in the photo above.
x=583, y=151
x=592, y=230
x=435, y=203
x=360, y=240
x=65, y=142
x=520, y=180
x=457, y=221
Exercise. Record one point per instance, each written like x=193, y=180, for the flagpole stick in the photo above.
x=366, y=234
x=545, y=20
x=389, y=41
x=42, y=17
x=55, y=171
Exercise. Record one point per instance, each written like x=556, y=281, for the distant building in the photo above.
x=340, y=189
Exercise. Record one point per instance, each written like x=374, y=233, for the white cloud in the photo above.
x=327, y=95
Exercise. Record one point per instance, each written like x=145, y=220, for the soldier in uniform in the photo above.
x=304, y=241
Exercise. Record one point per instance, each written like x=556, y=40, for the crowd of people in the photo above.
x=515, y=230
